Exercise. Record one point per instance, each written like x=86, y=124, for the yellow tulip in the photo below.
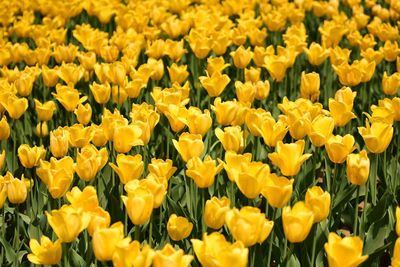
x=178, y=74
x=214, y=212
x=251, y=178
x=255, y=118
x=79, y=135
x=396, y=254
x=319, y=202
x=139, y=205
x=41, y=129
x=344, y=252
x=4, y=129
x=277, y=190
x=341, y=107
x=46, y=253
x=83, y=113
x=216, y=64
x=349, y=75
x=87, y=60
x=99, y=218
x=128, y=167
x=45, y=110
x=321, y=130
x=377, y=136
x=276, y=66
x=398, y=221
x=391, y=84
x=67, y=222
x=214, y=250
x=245, y=92
x=168, y=256
x=338, y=147
x=203, y=172
x=232, y=138
x=50, y=76
x=252, y=74
x=2, y=159
x=59, y=142
x=125, y=137
x=178, y=227
x=68, y=97
x=16, y=189
x=105, y=240
x=30, y=156
x=316, y=54
x=309, y=85
x=197, y=121
x=129, y=254
x=85, y=199
x=357, y=168
x=272, y=132
x=90, y=161
x=189, y=146
x=262, y=89
x=289, y=157
x=248, y=225
x=297, y=222
x=176, y=116
x=101, y=92
x=15, y=106
x=214, y=83
x=234, y=164
x=161, y=168
x=225, y=112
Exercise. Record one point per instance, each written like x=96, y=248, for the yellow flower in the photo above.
x=357, y=168
x=225, y=112
x=139, y=205
x=272, y=132
x=197, y=121
x=396, y=254
x=341, y=107
x=189, y=146
x=391, y=84
x=15, y=106
x=245, y=92
x=83, y=113
x=349, y=75
x=254, y=120
x=4, y=129
x=162, y=168
x=241, y=57
x=24, y=84
x=79, y=135
x=277, y=190
x=105, y=240
x=46, y=253
x=309, y=85
x=30, y=156
x=101, y=92
x=128, y=167
x=2, y=159
x=125, y=137
x=289, y=157
x=68, y=97
x=67, y=222
x=234, y=164
x=99, y=218
x=50, y=76
x=168, y=256
x=158, y=68
x=85, y=199
x=178, y=227
x=203, y=172
x=178, y=74
x=251, y=178
x=316, y=54
x=398, y=221
x=297, y=222
x=214, y=212
x=129, y=253
x=321, y=130
x=214, y=83
x=377, y=136
x=276, y=66
x=319, y=202
x=216, y=64
x=59, y=142
x=338, y=147
x=232, y=138
x=16, y=189
x=344, y=252
x=248, y=225
x=262, y=89
x=214, y=250
x=90, y=161
x=45, y=110
x=41, y=129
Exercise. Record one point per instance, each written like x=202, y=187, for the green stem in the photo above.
x=356, y=212
x=137, y=233
x=314, y=245
x=271, y=240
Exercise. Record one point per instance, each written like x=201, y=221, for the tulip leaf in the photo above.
x=377, y=212
x=10, y=253
x=76, y=259
x=293, y=261
x=376, y=236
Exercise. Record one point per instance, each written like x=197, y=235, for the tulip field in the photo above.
x=174, y=133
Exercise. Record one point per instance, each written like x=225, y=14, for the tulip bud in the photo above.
x=169, y=256
x=42, y=130
x=339, y=147
x=139, y=205
x=83, y=113
x=4, y=129
x=309, y=85
x=297, y=222
x=231, y=138
x=16, y=190
x=357, y=168
x=59, y=142
x=241, y=57
x=178, y=228
x=277, y=190
x=45, y=111
x=319, y=202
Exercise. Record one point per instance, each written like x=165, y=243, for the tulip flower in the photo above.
x=79, y=135
x=197, y=121
x=216, y=64
x=357, y=168
x=248, y=225
x=59, y=142
x=129, y=253
x=214, y=212
x=90, y=161
x=214, y=250
x=309, y=85
x=178, y=227
x=234, y=164
x=99, y=218
x=321, y=130
x=338, y=147
x=85, y=199
x=273, y=132
x=232, y=138
x=162, y=168
x=128, y=167
x=289, y=157
x=30, y=156
x=251, y=178
x=45, y=111
x=45, y=253
x=255, y=118
x=203, y=172
x=68, y=97
x=277, y=190
x=262, y=90
x=16, y=189
x=225, y=112
x=67, y=222
x=168, y=256
x=105, y=240
x=352, y=246
x=297, y=222
x=83, y=113
x=377, y=136
x=125, y=137
x=189, y=146
x=214, y=83
x=101, y=92
x=316, y=54
x=4, y=129
x=341, y=106
x=178, y=74
x=139, y=205
x=319, y=202
x=241, y=57
x=396, y=254
x=15, y=106
x=276, y=66
x=398, y=221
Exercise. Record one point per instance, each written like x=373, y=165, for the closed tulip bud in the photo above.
x=232, y=138
x=214, y=212
x=139, y=205
x=297, y=222
x=87, y=60
x=203, y=172
x=45, y=111
x=321, y=130
x=309, y=85
x=99, y=218
x=225, y=112
x=189, y=146
x=15, y=106
x=245, y=92
x=198, y=122
x=277, y=190
x=67, y=222
x=125, y=137
x=128, y=167
x=83, y=113
x=79, y=135
x=357, y=168
x=216, y=64
x=4, y=129
x=105, y=240
x=241, y=57
x=161, y=168
x=99, y=137
x=168, y=256
x=262, y=90
x=59, y=142
x=339, y=147
x=30, y=156
x=178, y=227
x=289, y=157
x=24, y=84
x=391, y=84
x=319, y=202
x=214, y=250
x=101, y=92
x=273, y=132
x=16, y=190
x=178, y=74
x=129, y=253
x=42, y=130
x=252, y=74
x=377, y=136
x=85, y=199
x=344, y=252
x=248, y=225
x=214, y=83
x=45, y=253
x=316, y=54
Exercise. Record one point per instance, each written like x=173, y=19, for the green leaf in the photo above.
x=10, y=253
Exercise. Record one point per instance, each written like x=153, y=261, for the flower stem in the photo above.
x=356, y=212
